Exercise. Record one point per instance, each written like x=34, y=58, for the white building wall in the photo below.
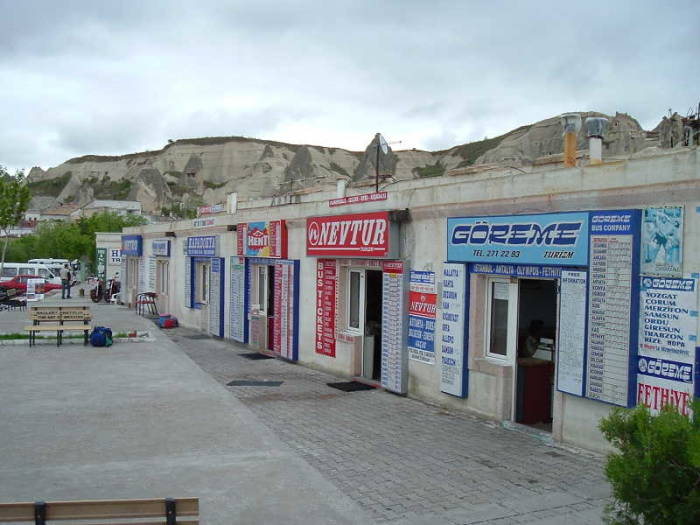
x=666, y=179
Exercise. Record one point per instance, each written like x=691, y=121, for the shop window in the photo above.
x=356, y=299
x=500, y=317
x=202, y=282
x=162, y=277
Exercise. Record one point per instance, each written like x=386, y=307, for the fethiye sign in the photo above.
x=559, y=238
x=355, y=235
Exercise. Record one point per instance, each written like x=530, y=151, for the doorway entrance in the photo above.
x=536, y=338
x=365, y=317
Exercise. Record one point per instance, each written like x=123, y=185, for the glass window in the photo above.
x=354, y=300
x=9, y=271
x=43, y=272
x=498, y=335
x=202, y=283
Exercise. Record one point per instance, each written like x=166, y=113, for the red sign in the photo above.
x=392, y=266
x=355, y=199
x=262, y=239
x=364, y=235
x=422, y=304
x=325, y=307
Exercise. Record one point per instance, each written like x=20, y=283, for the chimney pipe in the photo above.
x=340, y=186
x=595, y=129
x=571, y=122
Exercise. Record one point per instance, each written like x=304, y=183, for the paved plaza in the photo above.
x=157, y=419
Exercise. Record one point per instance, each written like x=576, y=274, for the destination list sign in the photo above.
x=394, y=363
x=572, y=332
x=667, y=337
x=452, y=318
x=610, y=306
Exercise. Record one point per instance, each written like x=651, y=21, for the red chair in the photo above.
x=146, y=304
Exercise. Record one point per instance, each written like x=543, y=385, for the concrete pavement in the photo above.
x=406, y=462
x=142, y=420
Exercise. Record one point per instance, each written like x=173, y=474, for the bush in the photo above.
x=656, y=473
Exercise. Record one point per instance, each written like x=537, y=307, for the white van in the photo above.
x=11, y=270
x=54, y=265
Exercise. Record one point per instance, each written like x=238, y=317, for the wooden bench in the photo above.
x=127, y=511
x=58, y=319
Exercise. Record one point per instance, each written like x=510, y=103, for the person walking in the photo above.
x=65, y=282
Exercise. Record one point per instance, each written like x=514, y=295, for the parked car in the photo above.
x=19, y=283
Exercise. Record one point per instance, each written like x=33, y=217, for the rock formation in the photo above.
x=202, y=171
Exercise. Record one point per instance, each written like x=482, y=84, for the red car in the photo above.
x=19, y=283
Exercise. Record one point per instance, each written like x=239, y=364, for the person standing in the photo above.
x=65, y=282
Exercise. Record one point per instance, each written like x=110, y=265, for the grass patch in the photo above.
x=431, y=170
x=213, y=185
x=50, y=187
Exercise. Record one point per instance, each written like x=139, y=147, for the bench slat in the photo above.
x=99, y=509
x=57, y=327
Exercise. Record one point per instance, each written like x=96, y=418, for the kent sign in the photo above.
x=356, y=235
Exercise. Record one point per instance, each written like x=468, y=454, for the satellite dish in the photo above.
x=383, y=144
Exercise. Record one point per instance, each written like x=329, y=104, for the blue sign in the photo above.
x=422, y=311
x=205, y=246
x=161, y=248
x=517, y=270
x=559, y=239
x=617, y=222
x=665, y=369
x=132, y=245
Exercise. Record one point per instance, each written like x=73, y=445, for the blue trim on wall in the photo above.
x=634, y=322
x=222, y=295
x=192, y=277
x=697, y=371
x=465, y=342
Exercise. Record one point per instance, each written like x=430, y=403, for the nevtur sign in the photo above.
x=356, y=235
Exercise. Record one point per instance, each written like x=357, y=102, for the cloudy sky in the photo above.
x=94, y=77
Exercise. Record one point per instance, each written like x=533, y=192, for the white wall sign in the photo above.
x=394, y=359
x=453, y=319
x=151, y=274
x=572, y=332
x=188, y=282
x=237, y=300
x=610, y=304
x=667, y=338
x=216, y=290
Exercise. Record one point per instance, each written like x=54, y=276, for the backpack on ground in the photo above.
x=101, y=336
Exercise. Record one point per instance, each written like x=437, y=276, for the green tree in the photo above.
x=14, y=201
x=655, y=474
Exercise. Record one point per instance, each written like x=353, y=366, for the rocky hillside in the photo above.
x=202, y=171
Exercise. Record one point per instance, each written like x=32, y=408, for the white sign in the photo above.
x=453, y=304
x=237, y=305
x=572, y=332
x=394, y=359
x=667, y=338
x=216, y=284
x=188, y=282
x=610, y=304
x=115, y=256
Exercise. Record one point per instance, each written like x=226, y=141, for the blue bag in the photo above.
x=101, y=336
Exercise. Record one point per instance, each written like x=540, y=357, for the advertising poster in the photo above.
x=263, y=239
x=662, y=241
x=422, y=309
x=394, y=359
x=667, y=338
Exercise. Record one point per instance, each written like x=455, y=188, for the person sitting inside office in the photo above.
x=532, y=341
